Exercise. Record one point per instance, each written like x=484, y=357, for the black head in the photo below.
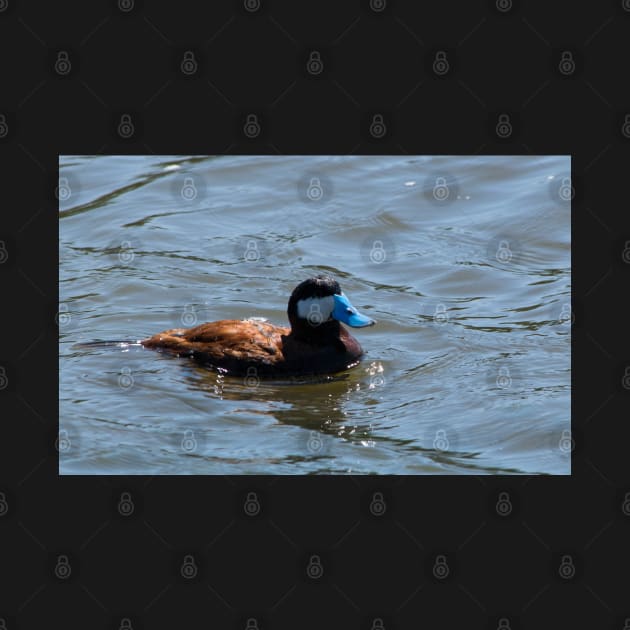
x=309, y=293
x=318, y=286
x=317, y=304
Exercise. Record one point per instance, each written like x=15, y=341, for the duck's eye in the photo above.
x=349, y=311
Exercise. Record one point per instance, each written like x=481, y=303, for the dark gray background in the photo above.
x=556, y=558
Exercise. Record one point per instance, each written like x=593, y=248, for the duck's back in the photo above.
x=230, y=344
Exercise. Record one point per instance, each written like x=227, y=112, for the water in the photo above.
x=463, y=261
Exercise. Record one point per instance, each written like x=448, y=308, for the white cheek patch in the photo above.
x=316, y=310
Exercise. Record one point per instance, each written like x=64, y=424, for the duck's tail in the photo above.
x=120, y=343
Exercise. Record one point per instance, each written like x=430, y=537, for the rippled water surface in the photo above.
x=463, y=261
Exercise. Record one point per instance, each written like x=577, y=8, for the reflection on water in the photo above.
x=467, y=370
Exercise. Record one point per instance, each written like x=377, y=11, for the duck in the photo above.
x=315, y=343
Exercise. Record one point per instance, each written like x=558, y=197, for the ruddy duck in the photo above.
x=316, y=343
